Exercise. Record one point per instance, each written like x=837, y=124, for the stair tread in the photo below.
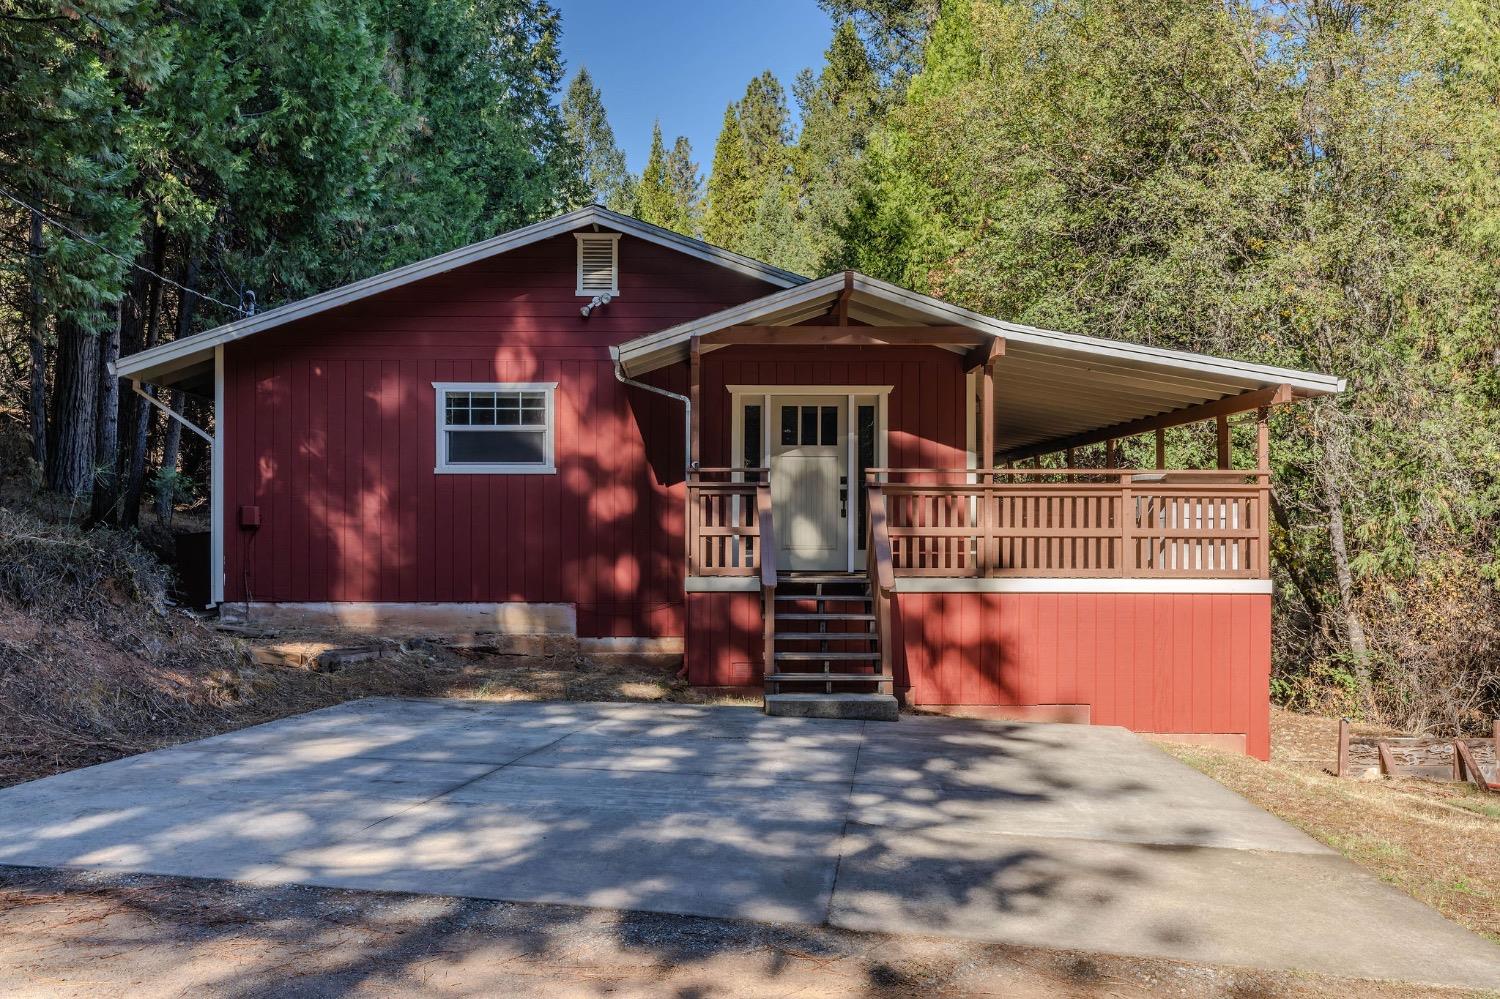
x=817, y=677
x=823, y=596
x=819, y=656
x=825, y=617
x=823, y=577
x=824, y=636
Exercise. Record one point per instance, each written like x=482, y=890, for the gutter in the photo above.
x=687, y=406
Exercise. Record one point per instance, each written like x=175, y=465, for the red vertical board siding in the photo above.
x=330, y=432
x=1183, y=663
x=723, y=641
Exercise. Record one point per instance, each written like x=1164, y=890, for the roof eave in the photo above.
x=168, y=357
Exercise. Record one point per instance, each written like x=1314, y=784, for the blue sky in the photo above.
x=684, y=60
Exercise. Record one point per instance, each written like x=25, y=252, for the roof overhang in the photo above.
x=179, y=360
x=1050, y=386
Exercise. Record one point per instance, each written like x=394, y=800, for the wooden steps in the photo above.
x=812, y=648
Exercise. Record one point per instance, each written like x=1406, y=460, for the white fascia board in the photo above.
x=1308, y=381
x=636, y=354
x=643, y=347
x=178, y=353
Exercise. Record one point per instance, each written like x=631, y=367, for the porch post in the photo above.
x=1222, y=427
x=1262, y=438
x=1109, y=453
x=695, y=366
x=987, y=417
x=1161, y=448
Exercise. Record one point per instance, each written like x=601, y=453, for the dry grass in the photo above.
x=95, y=662
x=1436, y=841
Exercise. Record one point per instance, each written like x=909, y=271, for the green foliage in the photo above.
x=1301, y=184
x=653, y=195
x=605, y=175
x=731, y=207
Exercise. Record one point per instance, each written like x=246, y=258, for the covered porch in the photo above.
x=853, y=430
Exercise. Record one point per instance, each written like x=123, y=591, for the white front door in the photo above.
x=809, y=458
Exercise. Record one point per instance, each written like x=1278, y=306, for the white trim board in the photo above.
x=722, y=584
x=1029, y=584
x=653, y=350
x=168, y=357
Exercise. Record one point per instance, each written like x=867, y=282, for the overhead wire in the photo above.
x=125, y=260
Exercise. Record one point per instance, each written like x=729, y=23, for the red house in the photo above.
x=598, y=427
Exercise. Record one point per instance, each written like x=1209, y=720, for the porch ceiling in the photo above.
x=1048, y=385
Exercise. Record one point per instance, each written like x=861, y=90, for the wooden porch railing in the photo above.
x=724, y=521
x=882, y=575
x=1121, y=523
x=731, y=531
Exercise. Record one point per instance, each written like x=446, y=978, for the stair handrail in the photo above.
x=882, y=575
x=767, y=525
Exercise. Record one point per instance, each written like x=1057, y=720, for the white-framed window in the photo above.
x=495, y=428
x=598, y=263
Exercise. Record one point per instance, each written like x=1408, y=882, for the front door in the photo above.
x=809, y=459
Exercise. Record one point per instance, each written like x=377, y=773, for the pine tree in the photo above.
x=653, y=195
x=687, y=187
x=603, y=163
x=731, y=205
x=839, y=109
x=766, y=124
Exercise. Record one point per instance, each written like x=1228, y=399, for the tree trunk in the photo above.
x=75, y=390
x=104, y=508
x=166, y=488
x=1354, y=628
x=135, y=478
x=38, y=347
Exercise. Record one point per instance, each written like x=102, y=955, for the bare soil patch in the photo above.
x=1436, y=841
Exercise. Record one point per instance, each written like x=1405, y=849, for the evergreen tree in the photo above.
x=839, y=108
x=602, y=162
x=687, y=187
x=1315, y=187
x=653, y=195
x=731, y=203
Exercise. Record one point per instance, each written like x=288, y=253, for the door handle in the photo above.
x=843, y=497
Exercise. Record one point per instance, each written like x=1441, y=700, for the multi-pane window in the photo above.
x=809, y=425
x=494, y=427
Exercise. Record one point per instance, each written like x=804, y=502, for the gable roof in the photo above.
x=194, y=351
x=1050, y=384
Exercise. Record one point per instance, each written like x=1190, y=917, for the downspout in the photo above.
x=687, y=431
x=687, y=406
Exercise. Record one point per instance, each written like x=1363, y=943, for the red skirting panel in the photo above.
x=1180, y=663
x=722, y=647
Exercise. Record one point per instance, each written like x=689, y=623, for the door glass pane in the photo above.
x=866, y=460
x=830, y=419
x=809, y=424
x=751, y=443
x=788, y=425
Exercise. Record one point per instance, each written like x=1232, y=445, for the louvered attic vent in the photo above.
x=598, y=263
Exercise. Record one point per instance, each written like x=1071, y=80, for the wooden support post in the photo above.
x=695, y=372
x=1341, y=768
x=1161, y=447
x=1222, y=428
x=1263, y=439
x=987, y=417
x=1387, y=762
x=1109, y=453
x=1068, y=457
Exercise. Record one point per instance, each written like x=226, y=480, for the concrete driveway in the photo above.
x=1056, y=836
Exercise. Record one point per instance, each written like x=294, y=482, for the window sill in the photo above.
x=495, y=470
